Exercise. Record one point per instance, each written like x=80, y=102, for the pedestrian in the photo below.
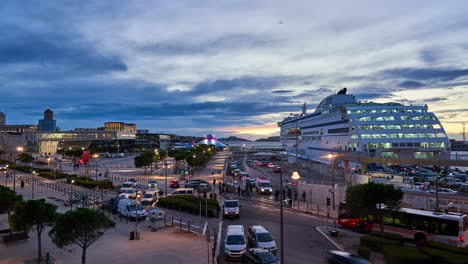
x=277, y=193
x=215, y=196
x=284, y=194
x=289, y=193
x=238, y=190
x=204, y=195
x=22, y=184
x=224, y=187
x=211, y=196
x=214, y=182
x=303, y=196
x=220, y=187
x=295, y=195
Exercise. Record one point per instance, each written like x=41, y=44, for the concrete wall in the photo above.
x=316, y=193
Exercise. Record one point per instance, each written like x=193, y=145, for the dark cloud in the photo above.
x=411, y=84
x=282, y=91
x=435, y=99
x=434, y=74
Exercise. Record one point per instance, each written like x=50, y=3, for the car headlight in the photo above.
x=262, y=189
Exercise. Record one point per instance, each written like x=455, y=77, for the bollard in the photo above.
x=172, y=220
x=180, y=223
x=188, y=226
x=165, y=220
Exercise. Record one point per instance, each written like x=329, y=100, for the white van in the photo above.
x=263, y=186
x=182, y=191
x=128, y=186
x=129, y=209
x=235, y=244
x=149, y=197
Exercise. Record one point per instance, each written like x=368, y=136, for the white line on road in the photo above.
x=329, y=239
x=204, y=228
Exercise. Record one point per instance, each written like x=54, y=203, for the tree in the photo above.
x=8, y=201
x=144, y=160
x=36, y=214
x=364, y=200
x=82, y=227
x=25, y=157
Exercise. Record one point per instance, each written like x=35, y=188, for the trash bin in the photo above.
x=137, y=237
x=132, y=235
x=156, y=219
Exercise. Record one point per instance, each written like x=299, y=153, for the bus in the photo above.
x=420, y=225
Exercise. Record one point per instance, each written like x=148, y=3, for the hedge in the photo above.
x=442, y=256
x=391, y=236
x=446, y=247
x=190, y=204
x=88, y=182
x=397, y=254
x=376, y=243
x=52, y=175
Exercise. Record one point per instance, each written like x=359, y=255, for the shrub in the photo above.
x=88, y=182
x=364, y=252
x=190, y=204
x=376, y=243
x=397, y=254
x=391, y=236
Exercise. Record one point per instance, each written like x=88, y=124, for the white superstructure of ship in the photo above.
x=340, y=123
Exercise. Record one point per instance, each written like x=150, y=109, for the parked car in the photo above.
x=444, y=191
x=152, y=184
x=174, y=184
x=203, y=188
x=182, y=191
x=342, y=257
x=261, y=256
x=235, y=244
x=259, y=237
x=270, y=165
x=128, y=194
x=231, y=208
x=194, y=183
x=277, y=169
x=149, y=197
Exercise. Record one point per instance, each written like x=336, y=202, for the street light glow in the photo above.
x=295, y=176
x=330, y=155
x=20, y=149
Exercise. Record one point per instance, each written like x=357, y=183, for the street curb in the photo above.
x=329, y=239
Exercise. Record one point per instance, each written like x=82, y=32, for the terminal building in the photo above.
x=46, y=139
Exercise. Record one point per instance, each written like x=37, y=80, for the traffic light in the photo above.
x=328, y=201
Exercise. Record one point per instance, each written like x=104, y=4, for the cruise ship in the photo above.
x=340, y=123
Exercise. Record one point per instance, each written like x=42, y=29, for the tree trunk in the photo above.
x=380, y=220
x=9, y=221
x=83, y=256
x=39, y=245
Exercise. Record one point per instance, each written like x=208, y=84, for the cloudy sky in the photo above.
x=227, y=67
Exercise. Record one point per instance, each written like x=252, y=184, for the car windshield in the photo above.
x=235, y=240
x=132, y=207
x=264, y=237
x=127, y=185
x=148, y=195
x=265, y=184
x=127, y=191
x=231, y=204
x=152, y=182
x=267, y=258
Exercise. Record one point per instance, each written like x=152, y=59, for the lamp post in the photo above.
x=32, y=184
x=295, y=177
x=18, y=149
x=96, y=156
x=6, y=176
x=332, y=161
x=71, y=195
x=165, y=165
x=281, y=218
x=137, y=197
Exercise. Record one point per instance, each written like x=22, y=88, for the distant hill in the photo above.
x=231, y=138
x=269, y=139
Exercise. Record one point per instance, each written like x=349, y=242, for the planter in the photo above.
x=334, y=233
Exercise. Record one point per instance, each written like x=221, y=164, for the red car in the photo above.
x=174, y=184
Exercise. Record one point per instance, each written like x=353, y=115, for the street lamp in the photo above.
x=18, y=149
x=32, y=184
x=6, y=176
x=137, y=198
x=96, y=156
x=332, y=161
x=71, y=195
x=165, y=165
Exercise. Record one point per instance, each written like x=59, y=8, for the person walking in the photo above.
x=224, y=187
x=220, y=188
x=214, y=182
x=303, y=196
x=238, y=190
x=211, y=195
x=277, y=193
x=22, y=184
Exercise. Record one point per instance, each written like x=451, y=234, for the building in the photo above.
x=119, y=126
x=2, y=119
x=459, y=145
x=48, y=123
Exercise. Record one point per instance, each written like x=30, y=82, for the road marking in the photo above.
x=218, y=243
x=204, y=228
x=329, y=239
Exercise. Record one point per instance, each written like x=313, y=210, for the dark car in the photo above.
x=174, y=184
x=277, y=169
x=194, y=183
x=261, y=256
x=203, y=188
x=342, y=257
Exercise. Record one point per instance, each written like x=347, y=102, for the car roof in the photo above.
x=235, y=229
x=259, y=229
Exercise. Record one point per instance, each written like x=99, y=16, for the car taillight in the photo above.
x=462, y=238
